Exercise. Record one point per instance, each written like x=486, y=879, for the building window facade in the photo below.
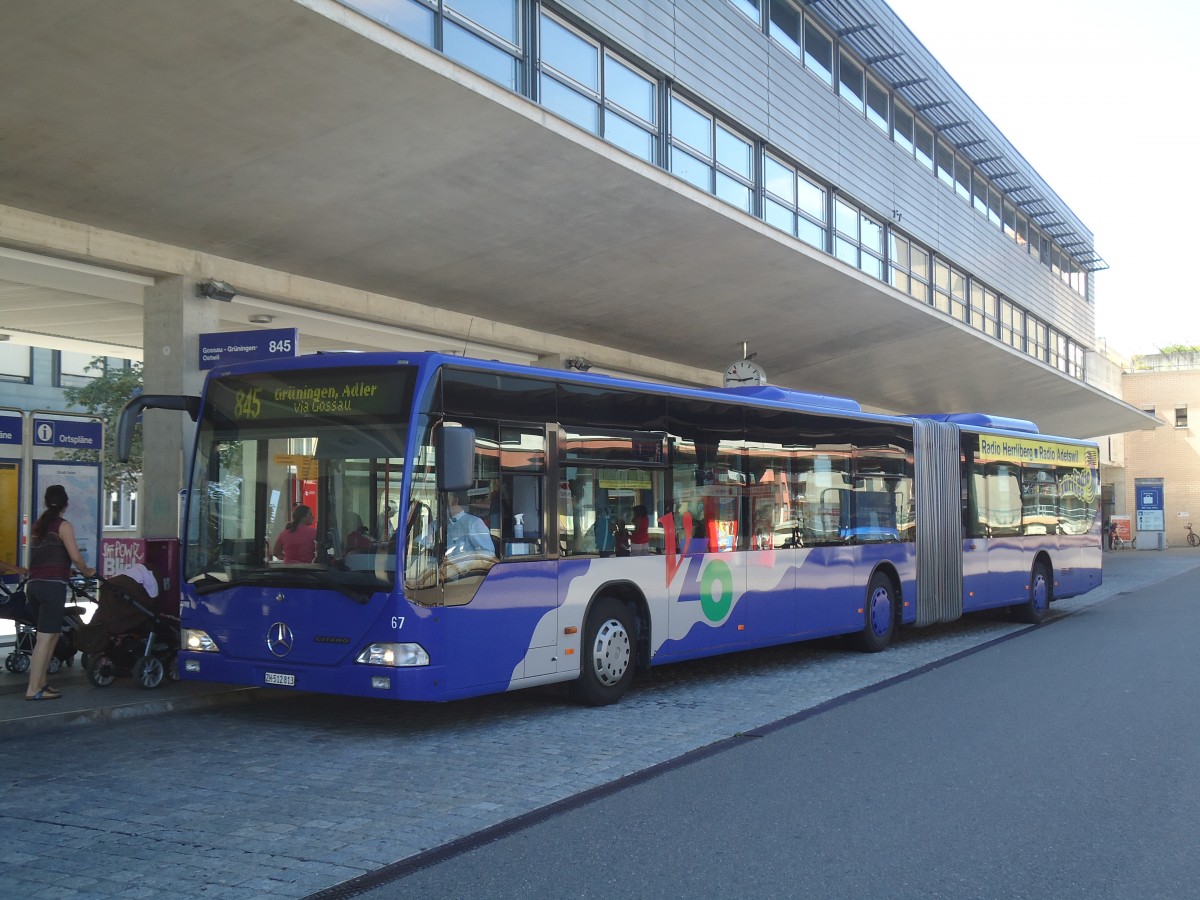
x=577, y=74
x=858, y=238
x=1037, y=341
x=709, y=155
x=75, y=369
x=16, y=363
x=949, y=290
x=630, y=108
x=1012, y=324
x=984, y=309
x=121, y=509
x=877, y=105
x=582, y=81
x=795, y=203
x=486, y=36
x=851, y=82
x=908, y=267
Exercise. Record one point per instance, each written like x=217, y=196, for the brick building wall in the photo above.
x=1170, y=452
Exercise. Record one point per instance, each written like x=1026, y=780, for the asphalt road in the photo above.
x=1064, y=763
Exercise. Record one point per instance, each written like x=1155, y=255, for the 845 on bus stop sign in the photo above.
x=218, y=348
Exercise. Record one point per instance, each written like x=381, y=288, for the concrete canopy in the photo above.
x=303, y=138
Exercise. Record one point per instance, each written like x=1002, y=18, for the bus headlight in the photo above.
x=395, y=655
x=195, y=639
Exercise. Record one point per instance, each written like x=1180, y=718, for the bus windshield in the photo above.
x=297, y=480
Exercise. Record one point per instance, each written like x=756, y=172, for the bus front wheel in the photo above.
x=606, y=669
x=1035, y=609
x=880, y=618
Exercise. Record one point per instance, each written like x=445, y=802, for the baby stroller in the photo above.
x=15, y=605
x=128, y=633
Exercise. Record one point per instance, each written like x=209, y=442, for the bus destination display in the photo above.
x=344, y=393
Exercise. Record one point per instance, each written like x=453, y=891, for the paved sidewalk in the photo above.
x=85, y=704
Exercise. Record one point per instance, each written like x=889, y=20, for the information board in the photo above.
x=68, y=434
x=1148, y=498
x=82, y=484
x=11, y=434
x=222, y=348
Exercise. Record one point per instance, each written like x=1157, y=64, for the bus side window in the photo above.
x=517, y=509
x=523, y=525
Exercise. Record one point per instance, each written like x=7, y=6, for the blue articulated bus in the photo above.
x=430, y=527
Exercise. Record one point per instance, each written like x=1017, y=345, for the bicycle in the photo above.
x=1193, y=539
x=1120, y=543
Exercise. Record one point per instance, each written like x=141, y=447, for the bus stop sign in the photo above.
x=68, y=435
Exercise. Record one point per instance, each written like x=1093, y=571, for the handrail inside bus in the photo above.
x=129, y=415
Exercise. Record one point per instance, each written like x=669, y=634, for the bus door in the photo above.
x=498, y=586
x=709, y=504
x=996, y=562
x=977, y=529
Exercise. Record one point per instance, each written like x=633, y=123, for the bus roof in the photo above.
x=983, y=420
x=765, y=395
x=768, y=394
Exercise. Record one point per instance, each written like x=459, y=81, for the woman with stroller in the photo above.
x=52, y=550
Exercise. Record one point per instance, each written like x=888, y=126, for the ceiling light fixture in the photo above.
x=216, y=290
x=261, y=319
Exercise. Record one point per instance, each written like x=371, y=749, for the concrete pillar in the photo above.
x=173, y=319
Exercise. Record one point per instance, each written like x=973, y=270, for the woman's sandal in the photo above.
x=46, y=693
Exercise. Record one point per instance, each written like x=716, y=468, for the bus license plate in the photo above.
x=277, y=678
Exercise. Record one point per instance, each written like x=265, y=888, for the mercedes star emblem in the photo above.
x=280, y=639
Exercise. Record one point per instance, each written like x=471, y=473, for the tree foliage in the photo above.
x=104, y=397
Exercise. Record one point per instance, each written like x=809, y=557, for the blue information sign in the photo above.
x=10, y=429
x=1149, y=497
x=219, y=348
x=68, y=434
x=1148, y=494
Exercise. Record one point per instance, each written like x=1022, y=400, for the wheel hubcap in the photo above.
x=152, y=672
x=1039, y=593
x=611, y=653
x=881, y=611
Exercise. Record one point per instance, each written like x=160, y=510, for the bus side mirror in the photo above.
x=133, y=410
x=455, y=448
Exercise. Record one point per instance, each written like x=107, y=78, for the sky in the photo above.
x=1097, y=96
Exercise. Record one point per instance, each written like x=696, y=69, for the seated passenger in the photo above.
x=621, y=538
x=358, y=538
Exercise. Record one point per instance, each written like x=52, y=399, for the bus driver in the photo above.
x=466, y=532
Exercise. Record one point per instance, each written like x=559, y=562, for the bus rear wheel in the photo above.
x=1035, y=609
x=606, y=669
x=880, y=619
